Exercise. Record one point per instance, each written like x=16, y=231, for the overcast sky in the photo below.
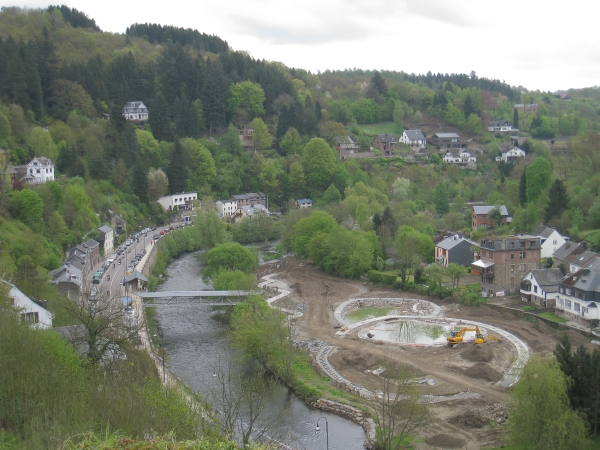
x=543, y=45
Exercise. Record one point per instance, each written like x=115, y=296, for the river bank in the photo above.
x=194, y=339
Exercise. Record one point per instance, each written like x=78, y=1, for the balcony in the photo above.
x=483, y=268
x=488, y=275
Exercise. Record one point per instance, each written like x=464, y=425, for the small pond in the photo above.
x=370, y=312
x=412, y=332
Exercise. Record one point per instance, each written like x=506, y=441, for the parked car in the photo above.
x=156, y=237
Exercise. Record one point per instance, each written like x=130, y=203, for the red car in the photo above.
x=163, y=232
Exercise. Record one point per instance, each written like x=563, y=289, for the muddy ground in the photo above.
x=455, y=424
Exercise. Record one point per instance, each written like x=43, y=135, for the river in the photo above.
x=196, y=343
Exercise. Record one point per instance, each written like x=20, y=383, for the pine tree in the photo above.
x=159, y=118
x=32, y=78
x=177, y=171
x=192, y=123
x=377, y=88
x=214, y=98
x=515, y=119
x=47, y=64
x=523, y=189
x=558, y=201
x=139, y=183
x=15, y=85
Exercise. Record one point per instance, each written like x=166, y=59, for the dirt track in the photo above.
x=454, y=370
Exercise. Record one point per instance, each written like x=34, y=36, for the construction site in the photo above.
x=465, y=358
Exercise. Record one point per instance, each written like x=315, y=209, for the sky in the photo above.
x=540, y=45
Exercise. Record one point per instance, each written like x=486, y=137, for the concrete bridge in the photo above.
x=212, y=298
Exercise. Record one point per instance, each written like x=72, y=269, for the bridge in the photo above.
x=211, y=298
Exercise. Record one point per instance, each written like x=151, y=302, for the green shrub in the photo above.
x=378, y=277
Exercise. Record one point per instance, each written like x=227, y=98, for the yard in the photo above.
x=552, y=316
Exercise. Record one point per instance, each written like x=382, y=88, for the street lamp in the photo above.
x=317, y=428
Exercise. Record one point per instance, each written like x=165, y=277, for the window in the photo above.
x=31, y=317
x=522, y=255
x=568, y=304
x=532, y=244
x=560, y=302
x=522, y=244
x=512, y=244
x=535, y=289
x=568, y=291
x=576, y=307
x=512, y=255
x=554, y=242
x=522, y=267
x=512, y=267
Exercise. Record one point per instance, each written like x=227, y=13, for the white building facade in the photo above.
x=31, y=312
x=512, y=155
x=226, y=208
x=177, y=202
x=40, y=170
x=135, y=111
x=413, y=138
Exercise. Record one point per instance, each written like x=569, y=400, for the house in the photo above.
x=579, y=295
x=479, y=216
x=135, y=282
x=447, y=140
x=529, y=108
x=68, y=279
x=79, y=257
x=246, y=137
x=33, y=312
x=304, y=203
x=540, y=286
x=93, y=250
x=249, y=211
x=550, y=238
x=117, y=222
x=413, y=138
x=499, y=126
x=567, y=253
x=107, y=239
x=462, y=158
x=503, y=261
x=249, y=198
x=512, y=155
x=177, y=202
x=226, y=208
x=582, y=261
x=135, y=111
x=39, y=170
x=385, y=143
x=454, y=249
x=345, y=146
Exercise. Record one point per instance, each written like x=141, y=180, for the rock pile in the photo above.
x=312, y=345
x=479, y=417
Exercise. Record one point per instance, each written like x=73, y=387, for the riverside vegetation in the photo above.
x=60, y=75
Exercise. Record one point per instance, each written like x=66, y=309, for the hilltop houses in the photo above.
x=499, y=126
x=511, y=156
x=39, y=170
x=447, y=140
x=479, y=216
x=528, y=108
x=385, y=143
x=33, y=312
x=413, y=138
x=462, y=158
x=135, y=111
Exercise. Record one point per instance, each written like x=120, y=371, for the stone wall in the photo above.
x=405, y=306
x=352, y=413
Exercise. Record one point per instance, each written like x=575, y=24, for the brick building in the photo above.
x=480, y=216
x=504, y=261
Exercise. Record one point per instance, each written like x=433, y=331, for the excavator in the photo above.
x=456, y=337
x=481, y=339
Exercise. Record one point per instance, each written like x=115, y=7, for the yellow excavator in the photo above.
x=481, y=339
x=456, y=337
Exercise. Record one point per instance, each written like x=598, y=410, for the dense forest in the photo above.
x=64, y=82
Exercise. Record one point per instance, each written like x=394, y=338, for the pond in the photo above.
x=412, y=332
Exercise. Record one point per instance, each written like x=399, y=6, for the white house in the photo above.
x=135, y=111
x=249, y=211
x=414, y=138
x=226, y=208
x=461, y=157
x=304, y=203
x=178, y=202
x=550, y=238
x=540, y=286
x=511, y=155
x=39, y=170
x=496, y=126
x=579, y=295
x=30, y=311
x=107, y=239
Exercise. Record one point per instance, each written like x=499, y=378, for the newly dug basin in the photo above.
x=411, y=332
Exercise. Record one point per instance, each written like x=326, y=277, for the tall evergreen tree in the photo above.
x=192, y=123
x=15, y=84
x=159, y=118
x=515, y=119
x=377, y=88
x=32, y=78
x=523, y=189
x=140, y=181
x=214, y=96
x=47, y=64
x=558, y=201
x=177, y=171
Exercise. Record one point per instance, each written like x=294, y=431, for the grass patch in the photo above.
x=529, y=308
x=380, y=128
x=552, y=316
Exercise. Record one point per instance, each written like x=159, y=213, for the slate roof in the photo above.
x=543, y=231
x=135, y=275
x=91, y=244
x=256, y=209
x=500, y=123
x=304, y=201
x=567, y=249
x=487, y=209
x=452, y=241
x=105, y=229
x=583, y=260
x=67, y=273
x=414, y=135
x=249, y=196
x=446, y=135
x=387, y=138
x=548, y=278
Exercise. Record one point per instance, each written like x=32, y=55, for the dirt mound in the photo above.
x=445, y=441
x=470, y=419
x=356, y=359
x=478, y=353
x=483, y=371
x=508, y=316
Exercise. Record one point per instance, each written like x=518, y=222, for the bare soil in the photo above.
x=466, y=368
